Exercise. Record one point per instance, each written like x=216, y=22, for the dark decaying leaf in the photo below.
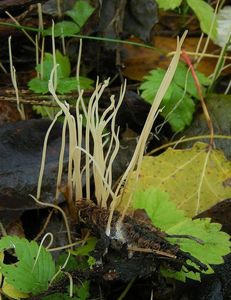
x=21, y=146
x=220, y=213
x=219, y=107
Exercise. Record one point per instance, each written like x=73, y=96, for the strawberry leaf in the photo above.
x=34, y=269
x=80, y=12
x=164, y=214
x=178, y=104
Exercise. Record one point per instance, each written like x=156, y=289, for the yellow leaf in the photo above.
x=195, y=178
x=10, y=291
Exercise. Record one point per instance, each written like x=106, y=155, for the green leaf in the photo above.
x=170, y=4
x=45, y=111
x=67, y=85
x=178, y=105
x=184, y=79
x=164, y=214
x=64, y=28
x=179, y=110
x=82, y=290
x=85, y=249
x=205, y=14
x=63, y=69
x=33, y=270
x=38, y=85
x=155, y=202
x=81, y=11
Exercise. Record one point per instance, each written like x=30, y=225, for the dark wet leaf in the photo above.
x=219, y=107
x=220, y=213
x=21, y=146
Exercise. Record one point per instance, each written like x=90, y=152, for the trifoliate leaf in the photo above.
x=171, y=4
x=164, y=214
x=64, y=28
x=65, y=84
x=34, y=268
x=80, y=12
x=178, y=104
x=205, y=14
x=194, y=178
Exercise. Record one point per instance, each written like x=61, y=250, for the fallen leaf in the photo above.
x=139, y=61
x=194, y=178
x=219, y=107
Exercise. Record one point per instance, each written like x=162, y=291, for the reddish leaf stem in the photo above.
x=187, y=60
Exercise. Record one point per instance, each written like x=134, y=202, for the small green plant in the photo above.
x=80, y=13
x=178, y=104
x=65, y=83
x=164, y=215
x=33, y=271
x=35, y=268
x=203, y=11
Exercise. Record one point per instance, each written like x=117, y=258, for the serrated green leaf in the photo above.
x=170, y=4
x=67, y=85
x=38, y=85
x=81, y=11
x=178, y=105
x=155, y=202
x=64, y=28
x=151, y=84
x=34, y=269
x=205, y=14
x=46, y=67
x=64, y=69
x=179, y=110
x=184, y=79
x=164, y=214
